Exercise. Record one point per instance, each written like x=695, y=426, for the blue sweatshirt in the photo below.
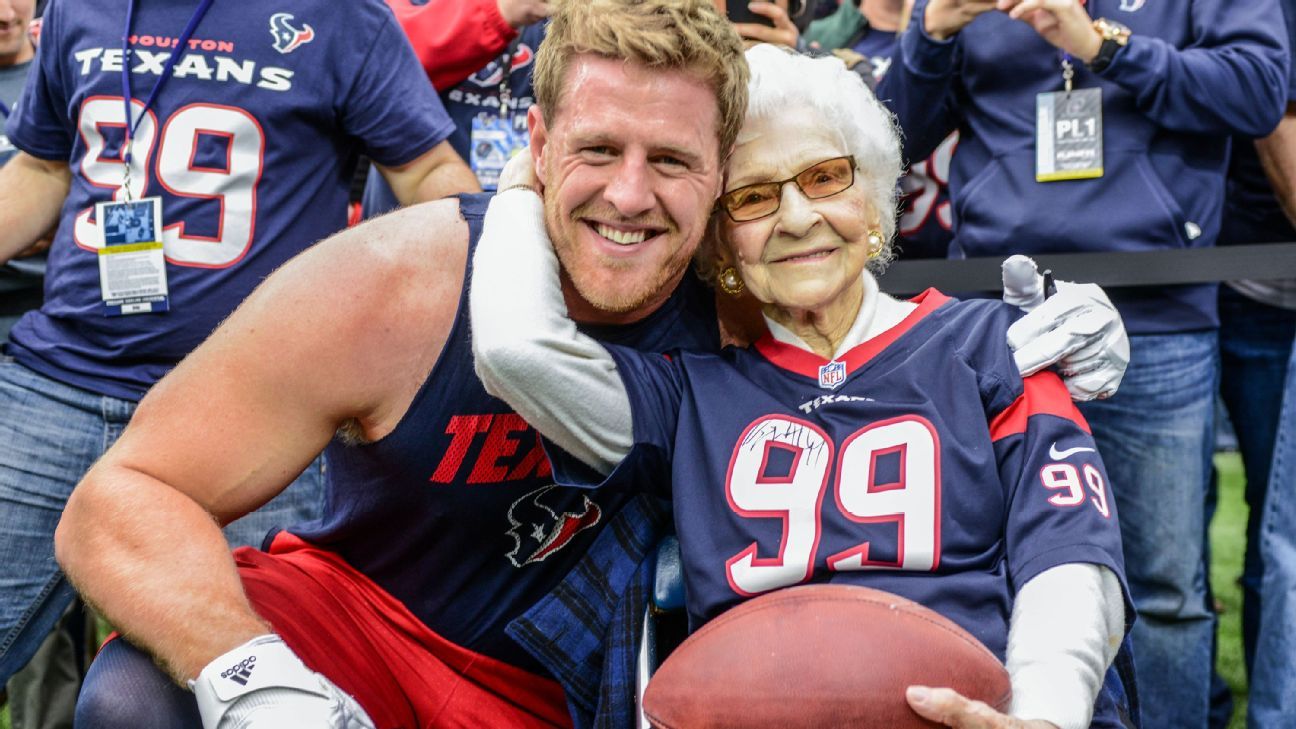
x=1192, y=75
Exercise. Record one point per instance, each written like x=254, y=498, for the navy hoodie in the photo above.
x=1193, y=74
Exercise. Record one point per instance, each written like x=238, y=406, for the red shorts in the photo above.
x=405, y=676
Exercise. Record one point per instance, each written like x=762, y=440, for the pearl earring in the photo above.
x=730, y=282
x=875, y=242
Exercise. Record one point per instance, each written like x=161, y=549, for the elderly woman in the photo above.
x=865, y=440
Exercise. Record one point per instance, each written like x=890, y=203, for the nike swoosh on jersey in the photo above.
x=1058, y=455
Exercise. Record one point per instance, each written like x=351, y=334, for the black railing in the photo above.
x=1150, y=268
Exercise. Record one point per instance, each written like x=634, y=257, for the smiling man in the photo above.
x=442, y=525
x=632, y=190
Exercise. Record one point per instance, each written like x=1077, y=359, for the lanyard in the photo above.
x=504, y=93
x=180, y=45
x=1068, y=69
x=4, y=110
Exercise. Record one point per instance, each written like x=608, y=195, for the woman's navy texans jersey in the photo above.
x=921, y=464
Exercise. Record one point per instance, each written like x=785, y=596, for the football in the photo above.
x=819, y=656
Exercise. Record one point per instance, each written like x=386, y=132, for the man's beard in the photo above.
x=613, y=299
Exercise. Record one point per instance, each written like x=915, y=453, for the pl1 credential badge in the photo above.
x=132, y=268
x=1068, y=138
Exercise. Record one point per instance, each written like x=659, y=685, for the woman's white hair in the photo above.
x=783, y=80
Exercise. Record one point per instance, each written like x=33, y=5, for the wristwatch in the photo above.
x=1114, y=37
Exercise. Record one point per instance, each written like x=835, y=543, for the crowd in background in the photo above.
x=1195, y=149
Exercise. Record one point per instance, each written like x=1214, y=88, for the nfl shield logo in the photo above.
x=832, y=375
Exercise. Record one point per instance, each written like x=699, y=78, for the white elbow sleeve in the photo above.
x=527, y=351
x=1067, y=625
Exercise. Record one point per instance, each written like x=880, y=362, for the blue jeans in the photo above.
x=1273, y=674
x=1155, y=436
x=50, y=434
x=1255, y=343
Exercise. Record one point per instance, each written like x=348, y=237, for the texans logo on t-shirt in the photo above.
x=492, y=74
x=540, y=524
x=287, y=38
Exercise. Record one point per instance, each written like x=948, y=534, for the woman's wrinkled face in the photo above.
x=809, y=252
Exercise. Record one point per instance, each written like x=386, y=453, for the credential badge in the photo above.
x=832, y=375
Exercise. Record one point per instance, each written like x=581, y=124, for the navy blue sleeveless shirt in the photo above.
x=455, y=512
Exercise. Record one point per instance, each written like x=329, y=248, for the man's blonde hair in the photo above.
x=685, y=35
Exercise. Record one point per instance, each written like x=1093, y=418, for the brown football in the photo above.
x=819, y=656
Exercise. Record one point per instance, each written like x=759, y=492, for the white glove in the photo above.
x=1023, y=286
x=1077, y=329
x=262, y=684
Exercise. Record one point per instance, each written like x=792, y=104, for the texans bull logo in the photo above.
x=540, y=523
x=287, y=38
x=493, y=74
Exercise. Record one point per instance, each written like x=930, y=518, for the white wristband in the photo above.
x=282, y=684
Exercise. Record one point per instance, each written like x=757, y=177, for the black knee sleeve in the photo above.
x=126, y=690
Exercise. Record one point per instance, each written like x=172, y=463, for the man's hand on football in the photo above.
x=519, y=13
x=948, y=707
x=784, y=31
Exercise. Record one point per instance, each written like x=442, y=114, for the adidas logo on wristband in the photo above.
x=240, y=672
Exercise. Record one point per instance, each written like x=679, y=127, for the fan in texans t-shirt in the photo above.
x=259, y=124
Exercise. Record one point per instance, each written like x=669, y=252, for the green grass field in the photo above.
x=1227, y=541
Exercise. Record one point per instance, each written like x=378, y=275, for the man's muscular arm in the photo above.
x=345, y=332
x=32, y=191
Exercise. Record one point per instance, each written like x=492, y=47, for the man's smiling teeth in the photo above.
x=621, y=237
